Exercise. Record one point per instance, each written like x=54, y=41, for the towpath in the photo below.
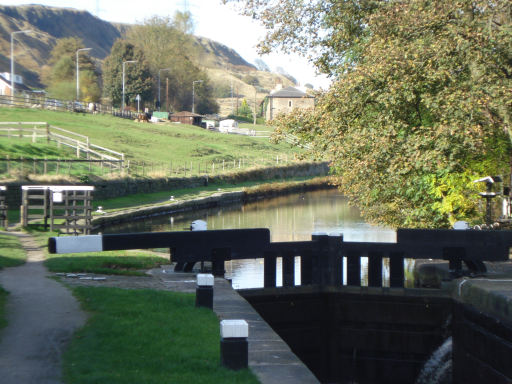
x=42, y=315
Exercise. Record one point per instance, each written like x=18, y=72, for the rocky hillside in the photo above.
x=225, y=66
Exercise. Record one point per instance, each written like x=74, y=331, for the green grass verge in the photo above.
x=143, y=336
x=130, y=262
x=11, y=251
x=110, y=263
x=3, y=300
x=156, y=143
x=142, y=199
x=11, y=255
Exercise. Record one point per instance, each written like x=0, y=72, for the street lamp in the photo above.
x=12, y=58
x=194, y=93
x=163, y=69
x=78, y=73
x=124, y=62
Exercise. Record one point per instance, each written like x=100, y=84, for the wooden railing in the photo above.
x=81, y=144
x=321, y=260
x=3, y=207
x=43, y=102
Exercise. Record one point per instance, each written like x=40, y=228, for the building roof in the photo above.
x=290, y=92
x=21, y=87
x=186, y=114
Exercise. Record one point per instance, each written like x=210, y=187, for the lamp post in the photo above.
x=78, y=73
x=163, y=69
x=194, y=93
x=124, y=62
x=12, y=58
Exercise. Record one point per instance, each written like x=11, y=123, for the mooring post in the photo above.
x=204, y=290
x=234, y=348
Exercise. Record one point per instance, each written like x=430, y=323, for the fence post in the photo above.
x=34, y=135
x=288, y=269
x=45, y=166
x=269, y=269
x=319, y=265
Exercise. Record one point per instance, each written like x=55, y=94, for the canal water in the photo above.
x=290, y=218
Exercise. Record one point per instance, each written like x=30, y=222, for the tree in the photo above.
x=420, y=105
x=138, y=79
x=172, y=52
x=244, y=110
x=60, y=73
x=184, y=22
x=261, y=65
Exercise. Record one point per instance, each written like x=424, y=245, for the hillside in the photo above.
x=224, y=65
x=152, y=143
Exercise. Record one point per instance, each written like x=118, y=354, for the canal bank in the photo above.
x=217, y=199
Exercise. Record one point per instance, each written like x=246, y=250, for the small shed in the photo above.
x=185, y=117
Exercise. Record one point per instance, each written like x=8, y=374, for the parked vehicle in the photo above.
x=227, y=126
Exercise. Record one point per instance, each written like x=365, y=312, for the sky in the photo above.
x=213, y=20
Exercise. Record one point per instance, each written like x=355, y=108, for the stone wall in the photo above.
x=121, y=187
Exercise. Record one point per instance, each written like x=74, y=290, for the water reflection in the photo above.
x=289, y=218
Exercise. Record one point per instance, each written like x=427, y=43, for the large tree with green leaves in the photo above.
x=171, y=52
x=60, y=73
x=138, y=79
x=420, y=103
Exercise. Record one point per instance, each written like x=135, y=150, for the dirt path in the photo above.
x=42, y=315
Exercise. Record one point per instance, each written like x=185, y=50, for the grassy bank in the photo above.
x=252, y=187
x=11, y=251
x=151, y=143
x=129, y=262
x=11, y=255
x=143, y=336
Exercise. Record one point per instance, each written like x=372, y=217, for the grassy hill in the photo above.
x=151, y=143
x=223, y=64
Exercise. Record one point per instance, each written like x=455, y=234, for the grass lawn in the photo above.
x=3, y=300
x=141, y=199
x=129, y=262
x=158, y=143
x=110, y=263
x=143, y=336
x=11, y=255
x=11, y=251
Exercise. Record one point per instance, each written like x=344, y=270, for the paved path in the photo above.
x=42, y=315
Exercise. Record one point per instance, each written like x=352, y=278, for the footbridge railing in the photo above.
x=320, y=261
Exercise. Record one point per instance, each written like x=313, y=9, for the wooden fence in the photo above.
x=3, y=207
x=43, y=102
x=81, y=167
x=66, y=208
